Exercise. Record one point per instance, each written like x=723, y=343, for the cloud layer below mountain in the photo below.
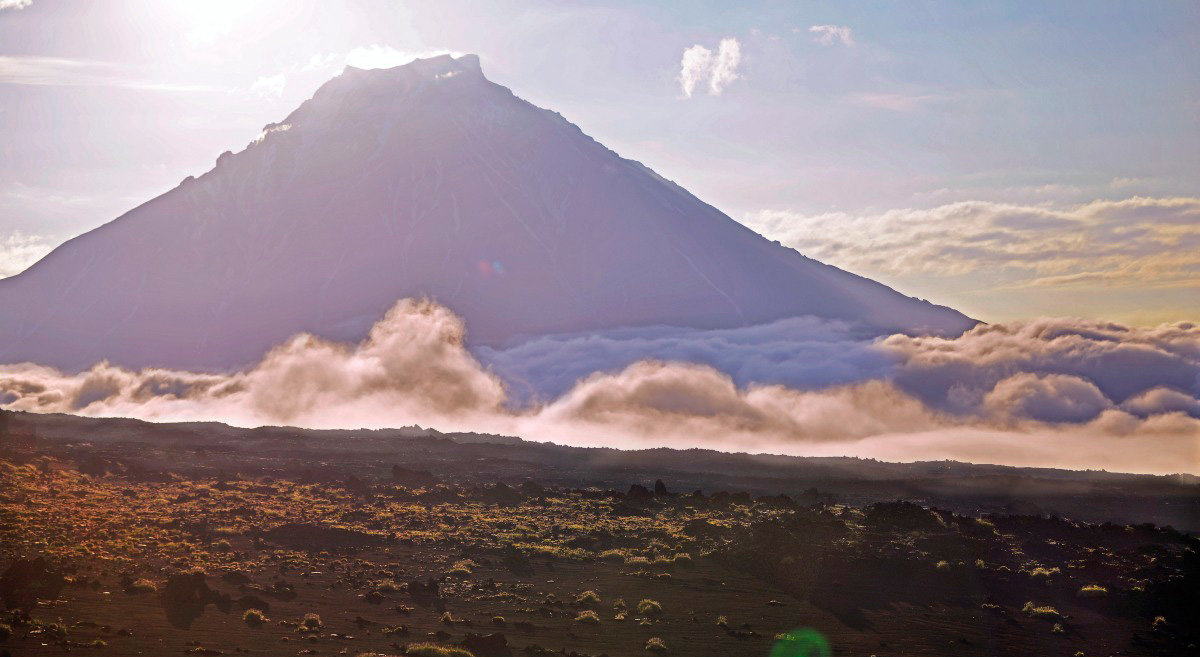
x=1052, y=392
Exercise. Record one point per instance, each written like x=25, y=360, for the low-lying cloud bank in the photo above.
x=1053, y=392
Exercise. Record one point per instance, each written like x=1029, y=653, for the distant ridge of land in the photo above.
x=1091, y=496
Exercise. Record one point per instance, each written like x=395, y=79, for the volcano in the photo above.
x=422, y=180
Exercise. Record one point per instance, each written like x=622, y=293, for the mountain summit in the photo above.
x=421, y=180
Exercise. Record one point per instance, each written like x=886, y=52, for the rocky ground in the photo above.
x=168, y=558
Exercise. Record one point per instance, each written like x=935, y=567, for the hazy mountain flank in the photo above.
x=421, y=180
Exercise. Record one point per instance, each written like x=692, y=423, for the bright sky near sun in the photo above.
x=1011, y=160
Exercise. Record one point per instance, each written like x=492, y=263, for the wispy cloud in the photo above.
x=894, y=102
x=57, y=71
x=14, y=4
x=700, y=66
x=828, y=35
x=269, y=86
x=1134, y=242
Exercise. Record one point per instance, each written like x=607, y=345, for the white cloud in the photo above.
x=828, y=35
x=700, y=66
x=269, y=87
x=377, y=56
x=18, y=251
x=57, y=71
x=14, y=4
x=1133, y=242
x=1060, y=393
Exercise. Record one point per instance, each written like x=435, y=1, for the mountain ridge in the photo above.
x=420, y=180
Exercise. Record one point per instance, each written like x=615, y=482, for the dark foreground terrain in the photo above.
x=120, y=537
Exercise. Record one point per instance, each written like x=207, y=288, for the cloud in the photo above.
x=18, y=251
x=57, y=71
x=894, y=102
x=1046, y=369
x=828, y=35
x=1047, y=392
x=14, y=4
x=269, y=87
x=801, y=352
x=412, y=367
x=700, y=66
x=1133, y=242
x=377, y=56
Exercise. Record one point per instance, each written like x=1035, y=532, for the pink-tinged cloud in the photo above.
x=1050, y=392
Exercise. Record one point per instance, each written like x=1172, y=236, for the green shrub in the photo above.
x=1093, y=591
x=588, y=616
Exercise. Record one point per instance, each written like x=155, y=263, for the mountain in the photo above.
x=424, y=179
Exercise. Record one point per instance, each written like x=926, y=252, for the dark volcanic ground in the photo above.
x=120, y=537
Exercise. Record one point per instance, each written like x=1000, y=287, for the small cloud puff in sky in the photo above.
x=14, y=4
x=701, y=67
x=828, y=35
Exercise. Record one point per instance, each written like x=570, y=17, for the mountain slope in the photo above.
x=425, y=179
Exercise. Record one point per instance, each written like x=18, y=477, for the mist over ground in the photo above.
x=1050, y=392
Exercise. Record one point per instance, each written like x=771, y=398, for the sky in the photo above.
x=1012, y=160
x=1036, y=166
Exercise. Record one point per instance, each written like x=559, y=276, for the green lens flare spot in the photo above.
x=804, y=642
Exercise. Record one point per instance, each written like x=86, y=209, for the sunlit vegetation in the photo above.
x=434, y=650
x=1040, y=611
x=650, y=608
x=339, y=564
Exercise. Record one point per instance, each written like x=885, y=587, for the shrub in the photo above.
x=588, y=598
x=588, y=616
x=386, y=586
x=498, y=620
x=656, y=644
x=434, y=650
x=1093, y=591
x=1044, y=572
x=5, y=631
x=1035, y=611
x=143, y=585
x=722, y=621
x=448, y=618
x=619, y=603
x=648, y=607
x=254, y=617
x=311, y=623
x=461, y=568
x=613, y=555
x=943, y=565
